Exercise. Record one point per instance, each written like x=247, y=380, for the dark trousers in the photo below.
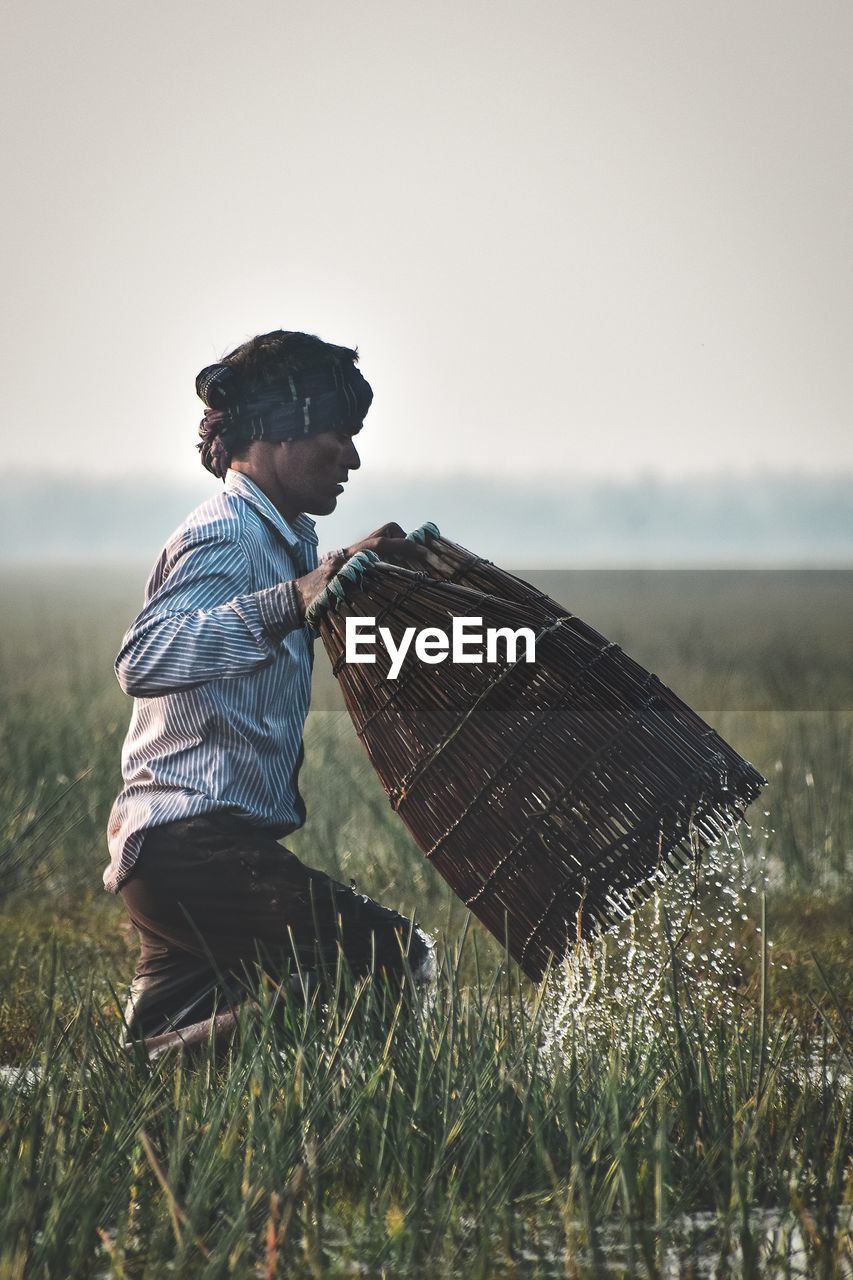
x=216, y=900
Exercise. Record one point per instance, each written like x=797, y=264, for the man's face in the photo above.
x=313, y=470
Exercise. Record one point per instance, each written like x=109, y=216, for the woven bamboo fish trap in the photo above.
x=552, y=796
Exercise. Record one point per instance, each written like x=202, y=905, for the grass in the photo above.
x=456, y=1138
x=655, y=1109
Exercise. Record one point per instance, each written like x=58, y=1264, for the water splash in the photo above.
x=708, y=917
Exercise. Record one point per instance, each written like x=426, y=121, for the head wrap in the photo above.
x=331, y=397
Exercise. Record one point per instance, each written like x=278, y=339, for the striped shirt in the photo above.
x=219, y=664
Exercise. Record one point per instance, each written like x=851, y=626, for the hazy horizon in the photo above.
x=764, y=520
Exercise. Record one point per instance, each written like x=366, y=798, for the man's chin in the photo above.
x=322, y=506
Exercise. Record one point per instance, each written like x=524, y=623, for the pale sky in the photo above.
x=604, y=237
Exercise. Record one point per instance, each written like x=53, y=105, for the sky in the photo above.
x=603, y=238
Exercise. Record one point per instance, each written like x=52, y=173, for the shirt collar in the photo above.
x=301, y=529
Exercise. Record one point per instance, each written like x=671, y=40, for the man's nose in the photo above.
x=352, y=459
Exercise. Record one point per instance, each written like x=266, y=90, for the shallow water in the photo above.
x=771, y=1245
x=19, y=1077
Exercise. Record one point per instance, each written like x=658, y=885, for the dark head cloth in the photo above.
x=334, y=397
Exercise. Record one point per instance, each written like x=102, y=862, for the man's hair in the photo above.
x=238, y=388
x=265, y=361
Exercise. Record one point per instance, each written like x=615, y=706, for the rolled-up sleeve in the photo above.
x=203, y=622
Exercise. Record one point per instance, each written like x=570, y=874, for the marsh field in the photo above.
x=675, y=1102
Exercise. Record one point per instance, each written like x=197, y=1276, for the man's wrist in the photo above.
x=335, y=560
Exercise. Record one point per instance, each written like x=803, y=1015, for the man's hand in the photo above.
x=389, y=542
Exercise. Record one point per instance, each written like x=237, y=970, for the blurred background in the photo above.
x=596, y=256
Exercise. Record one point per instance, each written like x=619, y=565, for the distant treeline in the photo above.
x=762, y=519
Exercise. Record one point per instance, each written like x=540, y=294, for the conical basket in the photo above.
x=552, y=796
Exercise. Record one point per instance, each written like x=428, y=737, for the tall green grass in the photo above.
x=675, y=1101
x=370, y=1134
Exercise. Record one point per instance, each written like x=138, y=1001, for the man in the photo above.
x=219, y=663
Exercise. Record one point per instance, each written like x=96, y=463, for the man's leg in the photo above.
x=212, y=894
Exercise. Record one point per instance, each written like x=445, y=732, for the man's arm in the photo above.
x=202, y=624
